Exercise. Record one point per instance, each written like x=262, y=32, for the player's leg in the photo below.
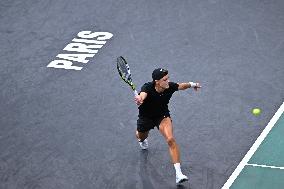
x=141, y=136
x=142, y=139
x=143, y=127
x=166, y=129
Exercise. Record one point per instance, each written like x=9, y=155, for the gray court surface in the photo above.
x=75, y=129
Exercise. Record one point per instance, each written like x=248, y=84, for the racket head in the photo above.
x=124, y=71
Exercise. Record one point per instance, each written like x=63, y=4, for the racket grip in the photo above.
x=135, y=93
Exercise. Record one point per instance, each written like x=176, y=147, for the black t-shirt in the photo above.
x=156, y=104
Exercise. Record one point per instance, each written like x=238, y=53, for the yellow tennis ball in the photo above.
x=256, y=111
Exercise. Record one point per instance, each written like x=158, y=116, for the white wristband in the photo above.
x=192, y=84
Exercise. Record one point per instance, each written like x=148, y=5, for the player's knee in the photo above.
x=171, y=142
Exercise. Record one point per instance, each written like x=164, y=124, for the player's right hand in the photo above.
x=138, y=100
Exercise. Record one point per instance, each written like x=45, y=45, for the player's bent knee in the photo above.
x=171, y=141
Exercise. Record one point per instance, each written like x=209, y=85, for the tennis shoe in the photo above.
x=143, y=144
x=180, y=179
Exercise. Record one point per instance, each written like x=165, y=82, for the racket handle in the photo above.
x=135, y=93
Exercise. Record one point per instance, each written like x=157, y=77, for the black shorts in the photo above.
x=145, y=124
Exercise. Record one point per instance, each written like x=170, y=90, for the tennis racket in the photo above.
x=124, y=72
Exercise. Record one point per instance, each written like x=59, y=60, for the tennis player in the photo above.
x=153, y=112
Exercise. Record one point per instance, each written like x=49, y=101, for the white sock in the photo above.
x=177, y=168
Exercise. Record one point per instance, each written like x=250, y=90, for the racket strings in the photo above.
x=124, y=69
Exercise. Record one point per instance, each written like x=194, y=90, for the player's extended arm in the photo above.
x=183, y=86
x=139, y=99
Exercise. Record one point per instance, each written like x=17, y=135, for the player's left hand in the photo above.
x=198, y=86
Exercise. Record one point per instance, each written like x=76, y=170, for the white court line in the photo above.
x=265, y=166
x=254, y=147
